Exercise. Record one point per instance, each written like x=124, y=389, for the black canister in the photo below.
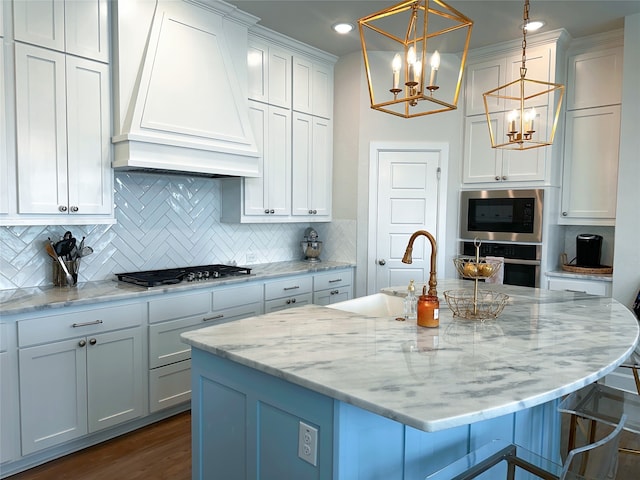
x=588, y=250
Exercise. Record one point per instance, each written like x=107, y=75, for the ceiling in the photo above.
x=310, y=21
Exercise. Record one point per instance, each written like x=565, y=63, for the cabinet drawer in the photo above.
x=289, y=287
x=224, y=298
x=165, y=346
x=79, y=323
x=179, y=306
x=288, y=302
x=591, y=287
x=333, y=295
x=169, y=386
x=332, y=280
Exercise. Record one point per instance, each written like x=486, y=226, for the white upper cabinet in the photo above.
x=592, y=132
x=312, y=87
x=269, y=73
x=79, y=27
x=487, y=70
x=586, y=73
x=4, y=153
x=63, y=131
x=312, y=166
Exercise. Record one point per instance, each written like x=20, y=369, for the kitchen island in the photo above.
x=390, y=399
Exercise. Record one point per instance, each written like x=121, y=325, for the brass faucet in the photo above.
x=407, y=258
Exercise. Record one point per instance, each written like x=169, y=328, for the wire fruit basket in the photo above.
x=476, y=304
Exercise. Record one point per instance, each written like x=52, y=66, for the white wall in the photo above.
x=626, y=267
x=357, y=125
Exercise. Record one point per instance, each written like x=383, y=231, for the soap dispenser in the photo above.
x=428, y=310
x=410, y=303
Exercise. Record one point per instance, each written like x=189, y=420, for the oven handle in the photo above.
x=515, y=261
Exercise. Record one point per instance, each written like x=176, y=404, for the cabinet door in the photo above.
x=480, y=78
x=312, y=157
x=4, y=158
x=590, y=174
x=9, y=412
x=527, y=165
x=90, y=178
x=270, y=194
x=302, y=85
x=289, y=302
x=41, y=130
x=269, y=74
x=53, y=393
x=40, y=22
x=322, y=91
x=115, y=388
x=588, y=73
x=538, y=64
x=481, y=162
x=87, y=28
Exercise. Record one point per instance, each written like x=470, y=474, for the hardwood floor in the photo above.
x=162, y=451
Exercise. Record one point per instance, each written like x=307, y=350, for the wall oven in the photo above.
x=502, y=215
x=521, y=262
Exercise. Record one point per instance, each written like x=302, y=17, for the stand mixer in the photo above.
x=311, y=246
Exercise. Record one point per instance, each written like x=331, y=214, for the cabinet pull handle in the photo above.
x=92, y=341
x=291, y=288
x=336, y=280
x=82, y=343
x=208, y=319
x=86, y=324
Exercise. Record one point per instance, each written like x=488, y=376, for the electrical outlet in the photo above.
x=308, y=443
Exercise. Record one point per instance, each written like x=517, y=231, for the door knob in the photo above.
x=382, y=262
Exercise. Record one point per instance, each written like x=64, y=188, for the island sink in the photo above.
x=377, y=305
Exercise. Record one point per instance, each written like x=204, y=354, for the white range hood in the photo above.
x=182, y=106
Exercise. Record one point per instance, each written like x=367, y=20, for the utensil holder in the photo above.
x=59, y=277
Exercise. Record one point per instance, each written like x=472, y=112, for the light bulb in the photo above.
x=435, y=60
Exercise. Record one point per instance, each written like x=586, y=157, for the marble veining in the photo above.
x=34, y=299
x=605, y=277
x=544, y=345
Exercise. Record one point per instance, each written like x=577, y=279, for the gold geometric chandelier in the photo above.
x=406, y=84
x=526, y=102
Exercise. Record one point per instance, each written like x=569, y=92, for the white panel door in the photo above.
x=481, y=162
x=114, y=378
x=407, y=201
x=87, y=28
x=53, y=394
x=88, y=137
x=41, y=130
x=40, y=22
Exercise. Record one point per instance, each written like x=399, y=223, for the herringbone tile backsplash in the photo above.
x=164, y=221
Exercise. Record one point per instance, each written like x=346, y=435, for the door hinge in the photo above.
x=438, y=172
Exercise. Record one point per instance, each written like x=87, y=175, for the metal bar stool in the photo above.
x=596, y=461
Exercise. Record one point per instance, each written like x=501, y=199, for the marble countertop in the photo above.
x=544, y=345
x=36, y=299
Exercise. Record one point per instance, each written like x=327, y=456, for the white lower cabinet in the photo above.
x=578, y=285
x=172, y=315
x=79, y=373
x=9, y=413
x=332, y=287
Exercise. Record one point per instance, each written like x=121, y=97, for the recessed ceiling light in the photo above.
x=343, y=27
x=535, y=25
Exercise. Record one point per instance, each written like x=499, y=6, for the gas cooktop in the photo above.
x=169, y=276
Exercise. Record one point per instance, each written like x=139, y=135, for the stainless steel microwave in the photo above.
x=511, y=215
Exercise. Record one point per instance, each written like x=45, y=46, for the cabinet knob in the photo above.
x=564, y=214
x=62, y=208
x=293, y=300
x=266, y=211
x=382, y=262
x=310, y=212
x=82, y=343
x=315, y=211
x=497, y=178
x=289, y=302
x=272, y=211
x=335, y=292
x=92, y=341
x=504, y=177
x=74, y=208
